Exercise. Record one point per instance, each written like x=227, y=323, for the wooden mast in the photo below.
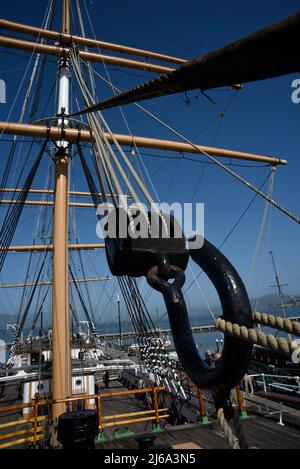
x=65, y=17
x=61, y=354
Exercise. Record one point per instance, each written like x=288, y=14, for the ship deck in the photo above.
x=261, y=432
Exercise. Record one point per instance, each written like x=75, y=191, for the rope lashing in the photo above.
x=278, y=344
x=231, y=438
x=277, y=322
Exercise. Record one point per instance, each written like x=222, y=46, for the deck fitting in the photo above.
x=156, y=428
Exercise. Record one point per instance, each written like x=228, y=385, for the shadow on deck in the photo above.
x=261, y=432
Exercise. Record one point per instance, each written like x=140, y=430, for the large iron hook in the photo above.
x=236, y=308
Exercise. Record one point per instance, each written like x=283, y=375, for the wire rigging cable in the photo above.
x=14, y=211
x=236, y=224
x=42, y=65
x=102, y=140
x=211, y=158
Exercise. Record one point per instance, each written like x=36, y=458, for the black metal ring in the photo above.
x=236, y=308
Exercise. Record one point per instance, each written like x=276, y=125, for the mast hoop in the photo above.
x=52, y=121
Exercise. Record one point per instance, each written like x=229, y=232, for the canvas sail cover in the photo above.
x=268, y=53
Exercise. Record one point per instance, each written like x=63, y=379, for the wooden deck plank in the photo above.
x=267, y=434
x=121, y=405
x=260, y=432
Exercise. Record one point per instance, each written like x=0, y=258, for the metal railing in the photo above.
x=38, y=426
x=265, y=390
x=106, y=421
x=35, y=427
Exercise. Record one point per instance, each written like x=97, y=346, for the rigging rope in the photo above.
x=266, y=212
x=95, y=125
x=233, y=228
x=42, y=64
x=218, y=163
x=93, y=85
x=14, y=212
x=24, y=314
x=28, y=92
x=231, y=438
x=84, y=308
x=38, y=313
x=151, y=347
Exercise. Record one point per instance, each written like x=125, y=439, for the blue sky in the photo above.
x=261, y=119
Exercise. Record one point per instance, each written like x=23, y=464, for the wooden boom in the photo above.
x=60, y=51
x=45, y=247
x=41, y=284
x=51, y=192
x=93, y=43
x=45, y=202
x=74, y=135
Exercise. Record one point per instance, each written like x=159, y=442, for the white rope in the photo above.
x=98, y=132
x=216, y=161
x=121, y=110
x=204, y=297
x=267, y=209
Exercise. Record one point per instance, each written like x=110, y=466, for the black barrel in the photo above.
x=78, y=430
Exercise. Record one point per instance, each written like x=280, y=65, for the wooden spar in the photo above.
x=41, y=284
x=49, y=191
x=93, y=43
x=44, y=247
x=59, y=51
x=73, y=135
x=45, y=202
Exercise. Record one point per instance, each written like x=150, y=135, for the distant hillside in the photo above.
x=269, y=303
x=272, y=300
x=266, y=302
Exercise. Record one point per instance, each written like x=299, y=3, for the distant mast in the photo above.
x=119, y=318
x=279, y=285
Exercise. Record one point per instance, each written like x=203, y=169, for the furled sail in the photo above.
x=268, y=53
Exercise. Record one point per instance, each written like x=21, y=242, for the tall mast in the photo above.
x=61, y=355
x=65, y=17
